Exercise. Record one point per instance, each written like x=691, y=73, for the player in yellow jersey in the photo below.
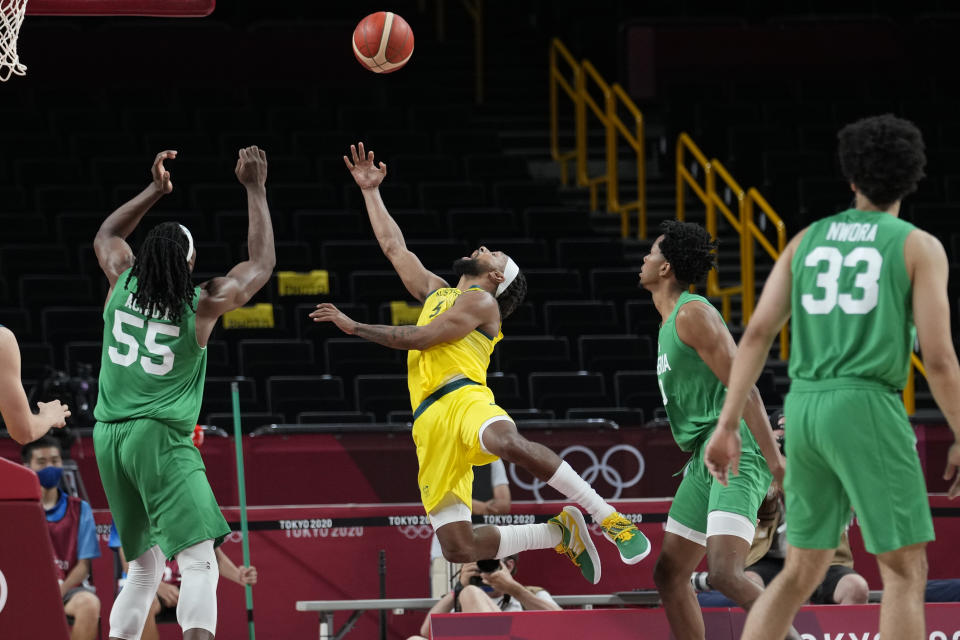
x=457, y=423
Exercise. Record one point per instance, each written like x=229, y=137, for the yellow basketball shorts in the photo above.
x=446, y=430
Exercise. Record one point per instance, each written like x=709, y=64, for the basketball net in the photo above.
x=11, y=18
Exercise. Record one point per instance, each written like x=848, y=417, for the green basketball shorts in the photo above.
x=157, y=488
x=700, y=494
x=849, y=444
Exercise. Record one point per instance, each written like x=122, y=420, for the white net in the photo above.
x=11, y=17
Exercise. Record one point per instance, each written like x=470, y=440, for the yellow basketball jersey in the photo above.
x=467, y=357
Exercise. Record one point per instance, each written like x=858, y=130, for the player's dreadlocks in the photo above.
x=883, y=156
x=163, y=278
x=689, y=250
x=512, y=296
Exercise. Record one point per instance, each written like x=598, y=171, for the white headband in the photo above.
x=509, y=274
x=186, y=232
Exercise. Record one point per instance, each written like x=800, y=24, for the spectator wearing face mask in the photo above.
x=73, y=534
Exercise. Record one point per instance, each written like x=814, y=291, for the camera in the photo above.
x=78, y=392
x=484, y=566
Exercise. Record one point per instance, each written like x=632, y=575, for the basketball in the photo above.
x=383, y=42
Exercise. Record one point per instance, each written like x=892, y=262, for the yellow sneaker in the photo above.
x=575, y=543
x=630, y=541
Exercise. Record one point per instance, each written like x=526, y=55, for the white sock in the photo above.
x=569, y=483
x=524, y=537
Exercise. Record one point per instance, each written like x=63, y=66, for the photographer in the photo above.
x=489, y=586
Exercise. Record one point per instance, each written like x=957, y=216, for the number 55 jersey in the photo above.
x=150, y=367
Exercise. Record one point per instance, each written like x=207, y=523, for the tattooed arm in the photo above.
x=472, y=310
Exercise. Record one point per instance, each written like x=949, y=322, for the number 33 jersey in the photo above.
x=851, y=300
x=150, y=367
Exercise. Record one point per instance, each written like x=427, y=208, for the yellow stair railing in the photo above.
x=741, y=219
x=585, y=80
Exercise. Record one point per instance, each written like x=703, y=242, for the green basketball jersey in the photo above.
x=851, y=300
x=692, y=394
x=150, y=367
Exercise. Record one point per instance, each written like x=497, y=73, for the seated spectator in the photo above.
x=841, y=585
x=498, y=590
x=73, y=534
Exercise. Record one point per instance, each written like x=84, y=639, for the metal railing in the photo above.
x=579, y=89
x=717, y=182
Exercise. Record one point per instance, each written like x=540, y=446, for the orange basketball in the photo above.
x=383, y=42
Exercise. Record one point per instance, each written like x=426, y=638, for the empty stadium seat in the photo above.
x=583, y=253
x=559, y=391
x=553, y=284
x=35, y=357
x=481, y=223
x=554, y=222
x=522, y=354
x=41, y=290
x=575, y=317
x=506, y=390
x=618, y=284
x=347, y=357
x=381, y=393
x=218, y=395
x=638, y=389
x=446, y=195
x=264, y=357
x=291, y=394
x=59, y=325
x=610, y=353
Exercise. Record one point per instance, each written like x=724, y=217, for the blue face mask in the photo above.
x=50, y=476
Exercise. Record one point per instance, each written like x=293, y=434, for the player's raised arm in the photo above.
x=699, y=326
x=23, y=425
x=110, y=243
x=471, y=311
x=927, y=265
x=244, y=280
x=368, y=175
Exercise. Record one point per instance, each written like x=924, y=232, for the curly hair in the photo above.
x=512, y=296
x=883, y=156
x=164, y=283
x=689, y=250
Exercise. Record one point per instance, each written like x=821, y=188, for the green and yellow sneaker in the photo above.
x=575, y=543
x=630, y=541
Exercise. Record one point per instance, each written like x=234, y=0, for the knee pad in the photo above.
x=130, y=609
x=199, y=574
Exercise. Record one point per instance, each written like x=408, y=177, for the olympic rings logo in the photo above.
x=3, y=591
x=417, y=531
x=597, y=468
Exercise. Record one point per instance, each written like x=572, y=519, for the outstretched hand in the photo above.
x=54, y=413
x=723, y=454
x=365, y=172
x=326, y=312
x=251, y=167
x=161, y=177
